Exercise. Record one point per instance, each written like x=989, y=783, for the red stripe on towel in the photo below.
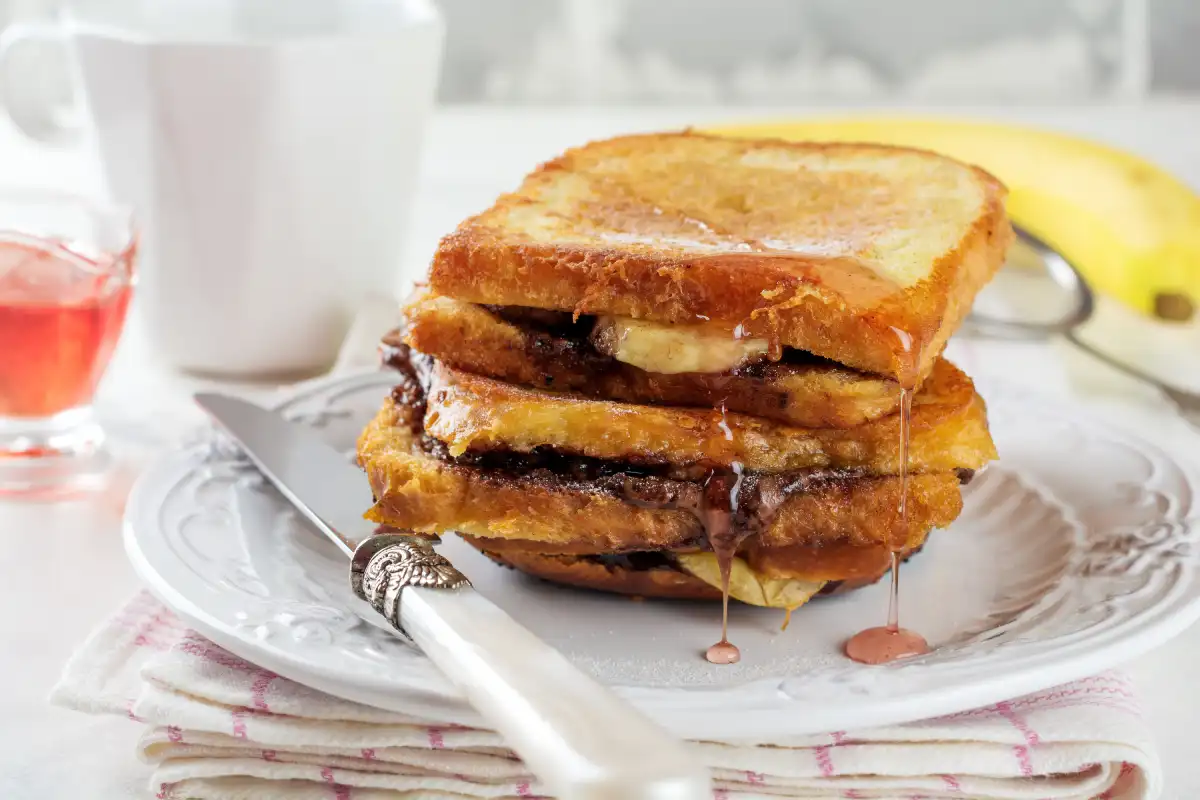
x=824, y=762
x=258, y=689
x=239, y=723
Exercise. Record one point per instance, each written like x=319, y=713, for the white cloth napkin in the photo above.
x=219, y=728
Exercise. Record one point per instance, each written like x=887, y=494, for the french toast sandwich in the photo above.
x=554, y=352
x=867, y=255
x=669, y=364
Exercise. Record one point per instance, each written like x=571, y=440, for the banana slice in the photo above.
x=671, y=349
x=748, y=586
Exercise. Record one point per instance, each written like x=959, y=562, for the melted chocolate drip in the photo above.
x=414, y=372
x=719, y=509
x=759, y=495
x=732, y=505
x=721, y=494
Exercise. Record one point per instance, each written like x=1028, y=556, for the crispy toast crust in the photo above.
x=612, y=247
x=854, y=568
x=660, y=582
x=472, y=413
x=469, y=337
x=418, y=492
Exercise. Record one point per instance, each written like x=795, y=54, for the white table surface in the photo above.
x=62, y=569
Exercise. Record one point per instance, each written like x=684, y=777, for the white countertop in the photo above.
x=62, y=568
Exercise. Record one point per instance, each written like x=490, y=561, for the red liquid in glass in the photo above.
x=61, y=314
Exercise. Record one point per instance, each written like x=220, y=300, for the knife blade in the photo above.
x=582, y=741
x=318, y=480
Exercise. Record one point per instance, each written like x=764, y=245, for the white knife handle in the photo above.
x=582, y=741
x=576, y=737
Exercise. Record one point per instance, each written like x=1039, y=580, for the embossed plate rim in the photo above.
x=755, y=708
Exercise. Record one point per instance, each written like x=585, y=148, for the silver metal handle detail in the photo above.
x=385, y=564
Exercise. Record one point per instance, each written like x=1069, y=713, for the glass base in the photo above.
x=53, y=457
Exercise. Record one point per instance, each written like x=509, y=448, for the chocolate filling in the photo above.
x=730, y=504
x=638, y=561
x=559, y=323
x=646, y=484
x=555, y=337
x=414, y=373
x=412, y=381
x=572, y=467
x=645, y=561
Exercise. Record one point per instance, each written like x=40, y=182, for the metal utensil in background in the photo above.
x=1031, y=253
x=582, y=741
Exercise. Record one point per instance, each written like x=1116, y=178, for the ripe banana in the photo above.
x=671, y=349
x=1131, y=228
x=747, y=585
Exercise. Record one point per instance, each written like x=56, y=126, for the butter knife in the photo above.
x=579, y=739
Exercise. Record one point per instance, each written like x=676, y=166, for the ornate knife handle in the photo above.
x=582, y=741
x=384, y=564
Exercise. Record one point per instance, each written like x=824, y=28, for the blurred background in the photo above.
x=784, y=52
x=520, y=80
x=765, y=52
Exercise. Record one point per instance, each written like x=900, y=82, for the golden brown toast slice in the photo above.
x=810, y=392
x=864, y=254
x=417, y=491
x=469, y=413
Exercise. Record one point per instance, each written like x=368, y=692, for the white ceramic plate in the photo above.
x=1076, y=551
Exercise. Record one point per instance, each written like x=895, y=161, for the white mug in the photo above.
x=270, y=150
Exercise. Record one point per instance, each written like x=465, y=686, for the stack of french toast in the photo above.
x=673, y=363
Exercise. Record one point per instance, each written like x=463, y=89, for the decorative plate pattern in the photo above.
x=1077, y=550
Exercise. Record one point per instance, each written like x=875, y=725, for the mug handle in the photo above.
x=26, y=102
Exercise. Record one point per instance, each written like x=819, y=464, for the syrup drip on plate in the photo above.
x=719, y=501
x=719, y=505
x=898, y=543
x=723, y=652
x=881, y=645
x=732, y=505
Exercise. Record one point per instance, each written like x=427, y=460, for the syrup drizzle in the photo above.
x=899, y=543
x=726, y=518
x=732, y=505
x=719, y=504
x=723, y=652
x=722, y=493
x=881, y=645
